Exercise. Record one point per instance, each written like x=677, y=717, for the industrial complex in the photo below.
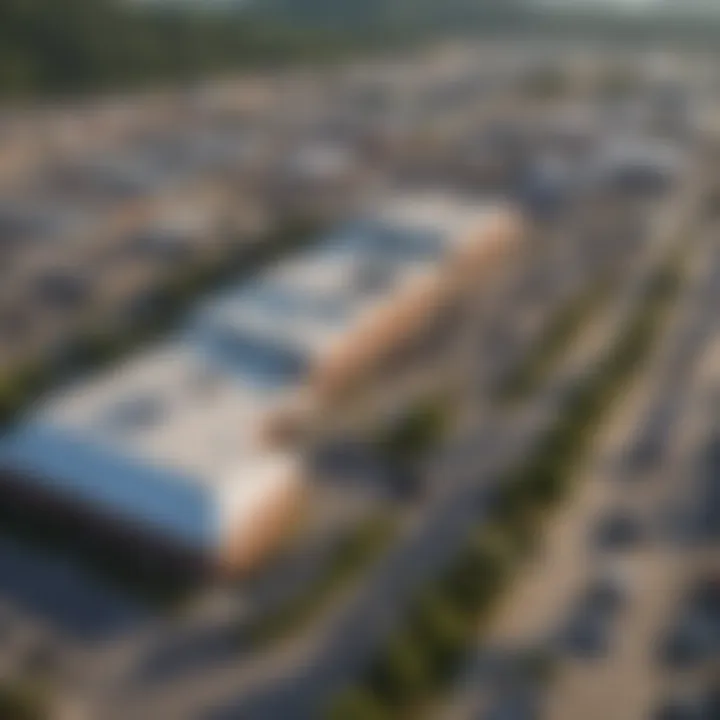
x=195, y=445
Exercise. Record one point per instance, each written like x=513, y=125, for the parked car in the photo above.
x=63, y=288
x=687, y=644
x=644, y=456
x=609, y=592
x=521, y=704
x=588, y=633
x=619, y=531
x=586, y=636
x=703, y=705
x=695, y=639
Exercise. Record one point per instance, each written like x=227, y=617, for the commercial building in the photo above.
x=196, y=444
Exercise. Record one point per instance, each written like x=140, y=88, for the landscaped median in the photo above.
x=441, y=628
x=401, y=445
x=562, y=328
x=355, y=553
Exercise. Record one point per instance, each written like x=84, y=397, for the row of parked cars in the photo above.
x=694, y=639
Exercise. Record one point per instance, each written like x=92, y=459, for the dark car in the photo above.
x=519, y=705
x=645, y=455
x=705, y=607
x=407, y=485
x=695, y=639
x=63, y=289
x=711, y=705
x=586, y=636
x=700, y=706
x=619, y=531
x=678, y=709
x=607, y=594
x=588, y=633
x=687, y=644
x=705, y=597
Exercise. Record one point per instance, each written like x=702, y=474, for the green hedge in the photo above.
x=561, y=329
x=442, y=626
x=355, y=552
x=416, y=432
x=20, y=700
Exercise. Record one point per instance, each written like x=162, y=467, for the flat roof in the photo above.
x=193, y=404
x=170, y=407
x=308, y=304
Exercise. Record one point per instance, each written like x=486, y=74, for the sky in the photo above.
x=639, y=5
x=629, y=4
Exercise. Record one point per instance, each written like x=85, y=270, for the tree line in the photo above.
x=59, y=47
x=445, y=622
x=52, y=47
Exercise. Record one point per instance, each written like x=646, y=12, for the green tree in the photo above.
x=415, y=432
x=356, y=704
x=21, y=701
x=442, y=629
x=402, y=674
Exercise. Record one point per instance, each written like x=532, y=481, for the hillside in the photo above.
x=399, y=16
x=69, y=46
x=668, y=22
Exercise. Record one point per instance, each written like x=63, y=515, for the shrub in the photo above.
x=402, y=673
x=416, y=432
x=442, y=629
x=356, y=704
x=20, y=701
x=469, y=589
x=540, y=665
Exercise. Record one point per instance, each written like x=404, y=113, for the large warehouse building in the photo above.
x=196, y=444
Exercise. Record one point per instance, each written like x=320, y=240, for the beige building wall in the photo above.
x=250, y=544
x=405, y=317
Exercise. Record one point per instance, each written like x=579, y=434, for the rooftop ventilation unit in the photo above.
x=373, y=277
x=134, y=414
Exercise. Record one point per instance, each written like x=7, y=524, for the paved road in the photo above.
x=630, y=681
x=548, y=589
x=436, y=538
x=483, y=438
x=300, y=695
x=294, y=683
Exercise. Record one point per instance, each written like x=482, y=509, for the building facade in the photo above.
x=196, y=444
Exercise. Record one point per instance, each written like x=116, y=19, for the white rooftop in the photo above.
x=170, y=408
x=310, y=303
x=187, y=412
